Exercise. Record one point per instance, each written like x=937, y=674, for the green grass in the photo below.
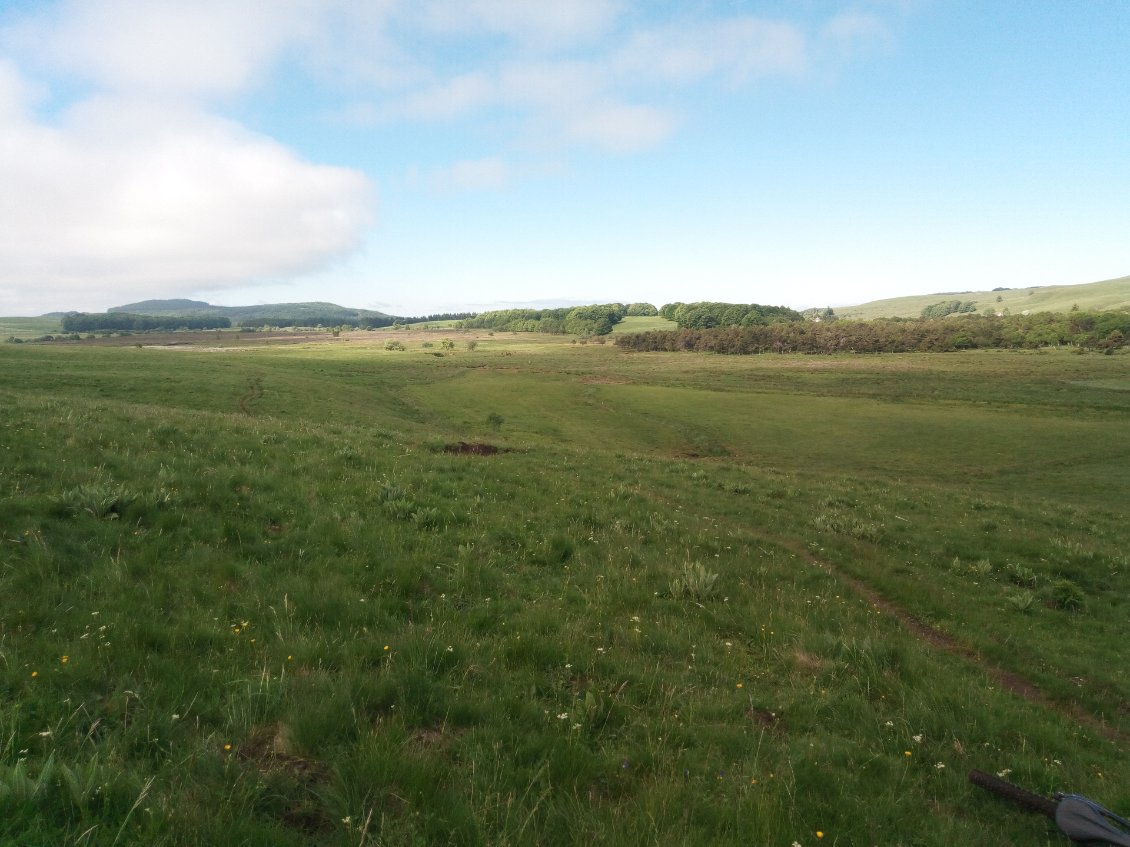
x=247, y=597
x=639, y=323
x=29, y=327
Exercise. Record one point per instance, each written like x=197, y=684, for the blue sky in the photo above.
x=437, y=155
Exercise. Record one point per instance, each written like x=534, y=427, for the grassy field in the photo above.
x=29, y=327
x=543, y=592
x=1094, y=296
x=639, y=323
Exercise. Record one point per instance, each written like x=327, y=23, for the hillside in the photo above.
x=315, y=312
x=1094, y=296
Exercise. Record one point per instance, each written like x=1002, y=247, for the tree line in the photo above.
x=1105, y=331
x=124, y=321
x=706, y=315
x=579, y=320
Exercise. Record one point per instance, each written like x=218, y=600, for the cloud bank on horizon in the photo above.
x=777, y=151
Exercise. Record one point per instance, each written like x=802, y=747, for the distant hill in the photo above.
x=165, y=307
x=280, y=313
x=1089, y=297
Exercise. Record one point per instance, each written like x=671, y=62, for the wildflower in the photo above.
x=940, y=766
x=563, y=716
x=918, y=739
x=290, y=658
x=64, y=659
x=227, y=747
x=819, y=834
x=739, y=685
x=34, y=674
x=906, y=753
x=1004, y=773
x=386, y=648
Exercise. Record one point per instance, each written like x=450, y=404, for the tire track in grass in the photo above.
x=1014, y=683
x=1010, y=681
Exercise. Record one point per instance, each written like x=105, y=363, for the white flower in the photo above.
x=563, y=716
x=939, y=766
x=918, y=739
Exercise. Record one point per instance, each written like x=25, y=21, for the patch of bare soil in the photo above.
x=473, y=449
x=268, y=750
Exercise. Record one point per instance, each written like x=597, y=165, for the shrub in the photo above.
x=393, y=345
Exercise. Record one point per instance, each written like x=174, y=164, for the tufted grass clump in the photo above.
x=695, y=582
x=101, y=499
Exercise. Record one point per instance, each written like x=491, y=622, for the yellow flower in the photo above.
x=227, y=746
x=739, y=685
x=34, y=674
x=819, y=834
x=906, y=753
x=386, y=647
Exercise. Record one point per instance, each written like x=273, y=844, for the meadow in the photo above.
x=546, y=592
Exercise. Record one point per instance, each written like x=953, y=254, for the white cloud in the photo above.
x=741, y=48
x=135, y=198
x=473, y=175
x=170, y=47
x=538, y=23
x=853, y=32
x=621, y=127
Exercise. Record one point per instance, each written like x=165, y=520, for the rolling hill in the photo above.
x=316, y=312
x=1094, y=296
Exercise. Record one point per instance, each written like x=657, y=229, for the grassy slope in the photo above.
x=388, y=635
x=29, y=327
x=1095, y=296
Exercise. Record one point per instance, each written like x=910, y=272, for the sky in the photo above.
x=424, y=156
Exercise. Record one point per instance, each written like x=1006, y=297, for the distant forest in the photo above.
x=124, y=321
x=1106, y=331
x=114, y=321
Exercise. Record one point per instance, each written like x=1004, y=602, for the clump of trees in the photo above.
x=580, y=320
x=707, y=315
x=641, y=310
x=123, y=321
x=948, y=307
x=1103, y=331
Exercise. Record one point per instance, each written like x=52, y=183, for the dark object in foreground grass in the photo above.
x=473, y=449
x=1079, y=818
